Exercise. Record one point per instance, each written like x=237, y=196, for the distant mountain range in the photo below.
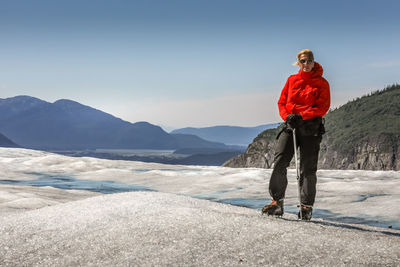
x=66, y=124
x=232, y=135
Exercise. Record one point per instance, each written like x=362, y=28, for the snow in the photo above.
x=365, y=195
x=45, y=224
x=20, y=198
x=160, y=229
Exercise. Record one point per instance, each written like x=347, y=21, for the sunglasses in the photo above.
x=309, y=61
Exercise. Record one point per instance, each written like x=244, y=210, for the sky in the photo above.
x=181, y=63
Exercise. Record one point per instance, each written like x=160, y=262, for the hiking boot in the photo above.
x=275, y=208
x=306, y=213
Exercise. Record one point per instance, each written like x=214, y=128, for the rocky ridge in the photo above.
x=362, y=134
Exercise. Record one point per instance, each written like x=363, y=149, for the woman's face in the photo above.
x=306, y=64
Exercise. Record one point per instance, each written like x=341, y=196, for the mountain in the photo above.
x=362, y=134
x=187, y=141
x=66, y=124
x=5, y=142
x=233, y=135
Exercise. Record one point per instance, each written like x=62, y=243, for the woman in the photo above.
x=304, y=100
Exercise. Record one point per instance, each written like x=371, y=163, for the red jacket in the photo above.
x=306, y=93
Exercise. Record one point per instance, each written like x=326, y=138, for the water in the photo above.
x=110, y=187
x=258, y=204
x=137, y=152
x=70, y=183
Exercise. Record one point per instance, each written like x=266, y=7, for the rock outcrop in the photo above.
x=376, y=153
x=363, y=134
x=259, y=154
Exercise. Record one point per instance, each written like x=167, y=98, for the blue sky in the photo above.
x=193, y=63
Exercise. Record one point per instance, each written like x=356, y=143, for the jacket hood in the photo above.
x=317, y=71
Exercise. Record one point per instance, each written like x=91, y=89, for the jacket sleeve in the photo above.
x=322, y=103
x=283, y=100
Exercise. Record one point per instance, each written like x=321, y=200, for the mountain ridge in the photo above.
x=67, y=124
x=362, y=134
x=6, y=142
x=232, y=135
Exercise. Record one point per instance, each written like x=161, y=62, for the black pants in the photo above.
x=308, y=140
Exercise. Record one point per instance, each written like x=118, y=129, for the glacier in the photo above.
x=59, y=210
x=366, y=197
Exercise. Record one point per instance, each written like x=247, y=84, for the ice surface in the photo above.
x=160, y=229
x=371, y=197
x=20, y=198
x=45, y=226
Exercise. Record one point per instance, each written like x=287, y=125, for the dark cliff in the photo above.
x=362, y=134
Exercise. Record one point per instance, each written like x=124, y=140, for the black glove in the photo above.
x=294, y=120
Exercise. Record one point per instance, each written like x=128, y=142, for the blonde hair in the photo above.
x=306, y=52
